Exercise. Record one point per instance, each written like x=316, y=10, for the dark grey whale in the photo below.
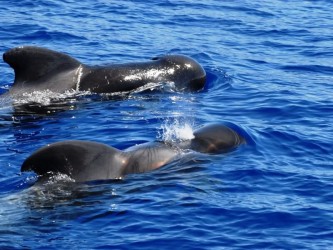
x=43, y=69
x=86, y=161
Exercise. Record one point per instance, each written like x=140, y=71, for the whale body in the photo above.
x=43, y=69
x=86, y=160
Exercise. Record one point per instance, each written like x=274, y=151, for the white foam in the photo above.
x=176, y=131
x=56, y=178
x=45, y=97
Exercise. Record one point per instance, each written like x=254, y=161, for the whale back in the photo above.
x=181, y=72
x=34, y=65
x=80, y=160
x=147, y=157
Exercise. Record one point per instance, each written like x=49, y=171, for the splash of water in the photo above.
x=176, y=130
x=45, y=97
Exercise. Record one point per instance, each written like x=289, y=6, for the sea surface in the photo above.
x=270, y=75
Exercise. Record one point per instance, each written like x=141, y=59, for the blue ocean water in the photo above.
x=270, y=74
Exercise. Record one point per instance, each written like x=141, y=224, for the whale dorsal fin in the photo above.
x=80, y=160
x=32, y=64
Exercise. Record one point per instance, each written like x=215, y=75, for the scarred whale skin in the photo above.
x=43, y=69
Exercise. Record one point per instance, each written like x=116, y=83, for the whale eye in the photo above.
x=155, y=58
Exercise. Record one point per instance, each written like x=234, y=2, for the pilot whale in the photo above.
x=43, y=69
x=87, y=161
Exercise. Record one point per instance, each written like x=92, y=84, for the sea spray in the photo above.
x=176, y=130
x=46, y=97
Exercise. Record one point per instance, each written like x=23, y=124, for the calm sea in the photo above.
x=270, y=74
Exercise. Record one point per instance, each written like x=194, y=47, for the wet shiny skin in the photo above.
x=86, y=160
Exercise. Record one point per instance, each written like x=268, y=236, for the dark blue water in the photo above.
x=270, y=74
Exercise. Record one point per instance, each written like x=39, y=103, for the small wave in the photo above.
x=46, y=101
x=58, y=178
x=5, y=102
x=50, y=35
x=309, y=68
x=45, y=97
